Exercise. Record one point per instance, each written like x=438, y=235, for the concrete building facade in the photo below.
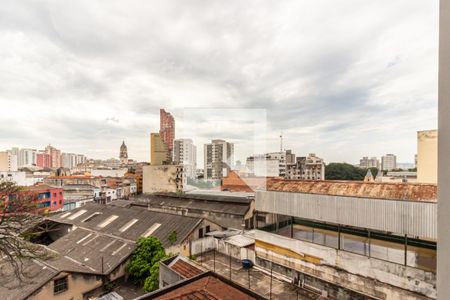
x=259, y=165
x=159, y=153
x=388, y=162
x=367, y=162
x=27, y=157
x=162, y=179
x=427, y=149
x=218, y=159
x=8, y=161
x=55, y=156
x=381, y=244
x=443, y=270
x=185, y=154
x=167, y=129
x=310, y=167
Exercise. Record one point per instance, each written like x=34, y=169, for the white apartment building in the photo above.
x=71, y=160
x=367, y=162
x=27, y=157
x=218, y=159
x=259, y=165
x=388, y=162
x=185, y=154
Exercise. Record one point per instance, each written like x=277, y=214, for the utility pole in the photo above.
x=271, y=276
x=281, y=141
x=230, y=266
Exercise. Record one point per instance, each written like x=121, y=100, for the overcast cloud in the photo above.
x=342, y=78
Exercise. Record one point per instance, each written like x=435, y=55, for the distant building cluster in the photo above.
x=50, y=157
x=388, y=162
x=285, y=164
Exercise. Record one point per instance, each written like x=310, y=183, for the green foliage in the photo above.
x=149, y=251
x=172, y=237
x=151, y=282
x=193, y=257
x=202, y=183
x=374, y=171
x=343, y=171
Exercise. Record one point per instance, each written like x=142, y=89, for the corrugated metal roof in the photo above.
x=228, y=205
x=169, y=222
x=413, y=218
x=184, y=268
x=394, y=191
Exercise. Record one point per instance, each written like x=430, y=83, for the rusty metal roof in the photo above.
x=380, y=190
x=185, y=269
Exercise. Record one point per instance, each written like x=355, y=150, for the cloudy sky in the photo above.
x=342, y=78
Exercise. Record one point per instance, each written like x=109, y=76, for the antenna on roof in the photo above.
x=281, y=141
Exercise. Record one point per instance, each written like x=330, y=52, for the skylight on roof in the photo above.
x=91, y=217
x=118, y=249
x=77, y=214
x=128, y=225
x=107, y=221
x=84, y=238
x=64, y=215
x=151, y=230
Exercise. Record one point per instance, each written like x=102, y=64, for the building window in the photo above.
x=54, y=195
x=200, y=233
x=208, y=229
x=60, y=201
x=60, y=285
x=54, y=203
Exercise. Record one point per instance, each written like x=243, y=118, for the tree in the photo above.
x=172, y=237
x=152, y=282
x=144, y=263
x=18, y=212
x=343, y=171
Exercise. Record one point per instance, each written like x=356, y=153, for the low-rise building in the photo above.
x=206, y=285
x=49, y=199
x=91, y=246
x=227, y=211
x=373, y=239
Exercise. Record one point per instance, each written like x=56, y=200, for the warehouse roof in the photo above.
x=382, y=190
x=212, y=203
x=129, y=223
x=102, y=238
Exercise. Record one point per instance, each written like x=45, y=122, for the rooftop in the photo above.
x=204, y=286
x=215, y=203
x=128, y=223
x=40, y=187
x=381, y=190
x=184, y=268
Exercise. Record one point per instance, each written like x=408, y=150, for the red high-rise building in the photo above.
x=43, y=160
x=167, y=129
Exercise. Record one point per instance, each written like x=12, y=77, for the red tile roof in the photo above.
x=395, y=191
x=185, y=269
x=206, y=288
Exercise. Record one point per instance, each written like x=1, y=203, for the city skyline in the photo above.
x=355, y=92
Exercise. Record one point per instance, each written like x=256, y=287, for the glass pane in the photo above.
x=355, y=244
x=393, y=252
